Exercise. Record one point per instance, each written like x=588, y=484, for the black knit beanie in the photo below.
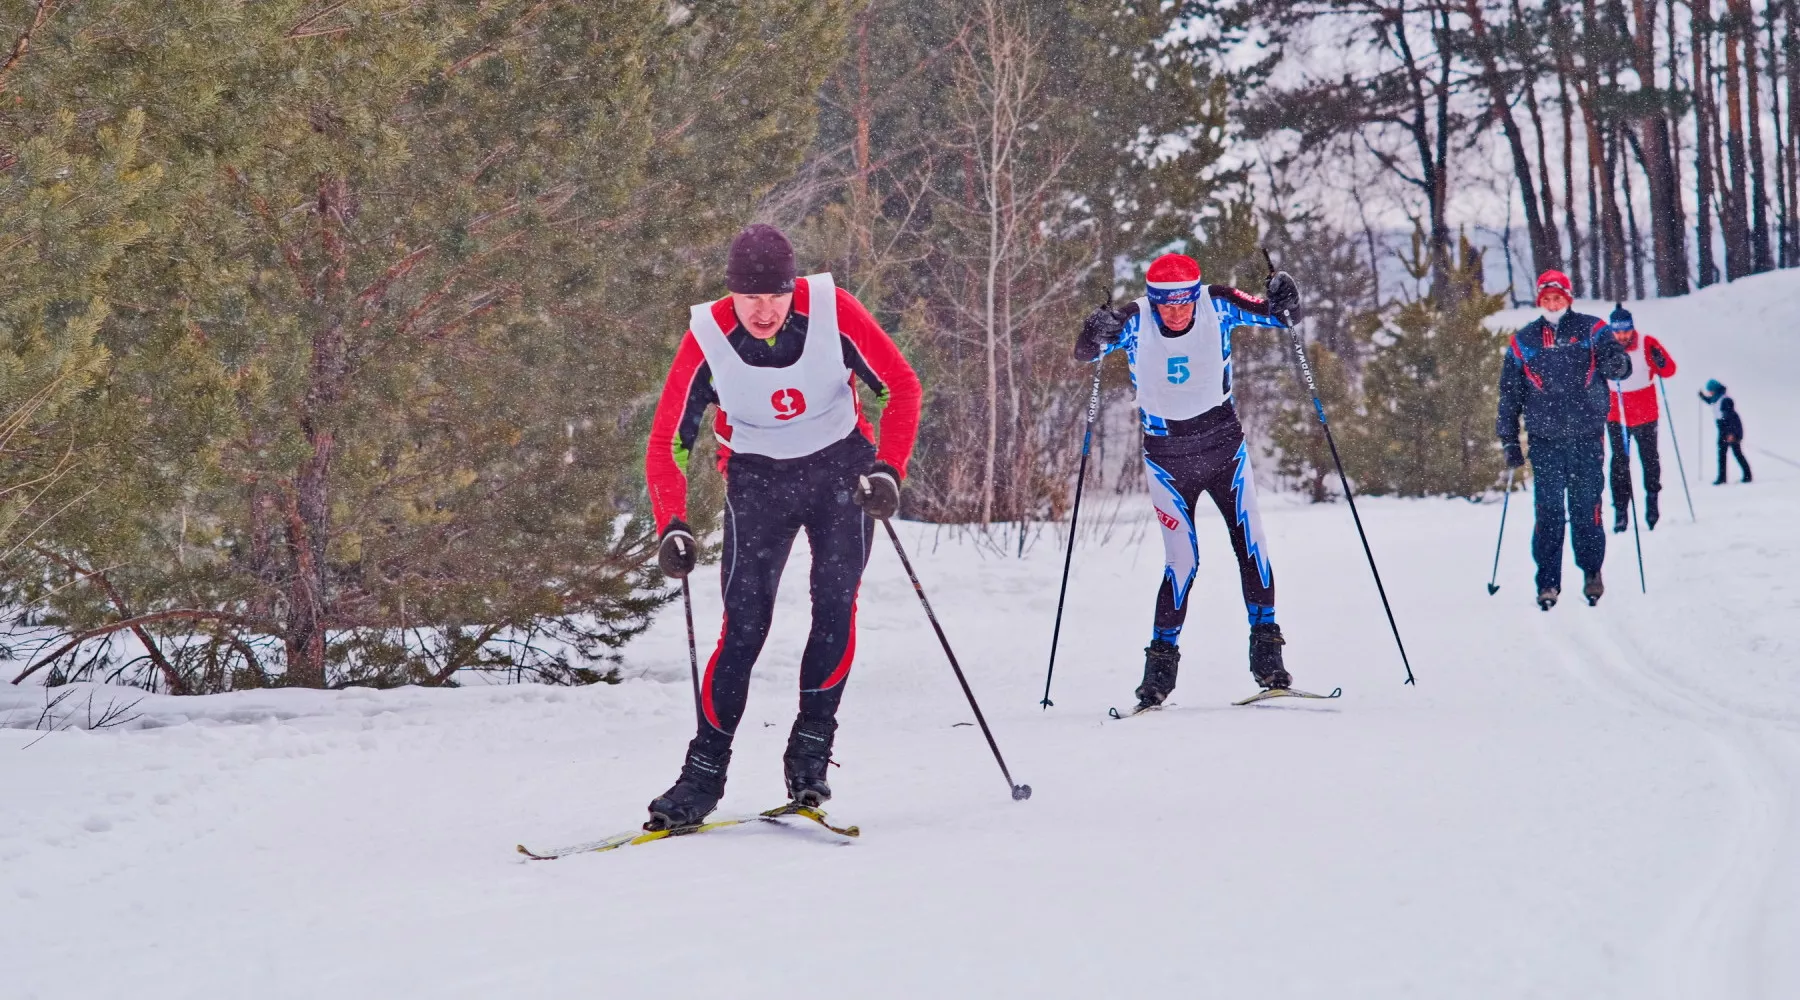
x=762, y=262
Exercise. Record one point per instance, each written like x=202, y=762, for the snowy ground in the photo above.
x=1587, y=803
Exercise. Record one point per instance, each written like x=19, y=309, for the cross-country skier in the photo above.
x=1177, y=340
x=1634, y=411
x=1555, y=375
x=1730, y=425
x=778, y=358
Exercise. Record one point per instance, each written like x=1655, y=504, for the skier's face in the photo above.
x=1625, y=337
x=1553, y=300
x=1176, y=317
x=762, y=314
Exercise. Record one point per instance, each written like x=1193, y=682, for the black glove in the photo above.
x=1284, y=296
x=878, y=491
x=677, y=552
x=1103, y=325
x=1515, y=455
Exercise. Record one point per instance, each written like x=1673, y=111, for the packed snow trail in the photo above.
x=1586, y=803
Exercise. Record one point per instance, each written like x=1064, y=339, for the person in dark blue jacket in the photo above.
x=1731, y=428
x=1555, y=376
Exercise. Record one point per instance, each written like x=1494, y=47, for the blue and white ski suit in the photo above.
x=1193, y=442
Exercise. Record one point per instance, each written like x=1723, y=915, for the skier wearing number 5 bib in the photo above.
x=777, y=357
x=1177, y=339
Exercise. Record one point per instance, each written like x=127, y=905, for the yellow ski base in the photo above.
x=646, y=836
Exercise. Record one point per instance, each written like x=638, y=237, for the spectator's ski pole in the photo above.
x=1087, y=439
x=1675, y=439
x=687, y=604
x=1349, y=494
x=1019, y=792
x=1493, y=584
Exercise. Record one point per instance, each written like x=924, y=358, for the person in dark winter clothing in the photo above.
x=1554, y=378
x=1634, y=412
x=1177, y=341
x=778, y=357
x=1730, y=425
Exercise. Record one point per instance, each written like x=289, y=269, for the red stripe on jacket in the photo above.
x=899, y=426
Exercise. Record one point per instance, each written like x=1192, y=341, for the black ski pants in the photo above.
x=768, y=502
x=1181, y=470
x=1566, y=474
x=1734, y=448
x=1643, y=441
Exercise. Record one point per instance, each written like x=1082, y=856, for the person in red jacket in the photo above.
x=778, y=358
x=1634, y=411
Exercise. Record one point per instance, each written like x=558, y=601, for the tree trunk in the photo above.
x=1440, y=200
x=1568, y=150
x=1631, y=226
x=1783, y=211
x=1791, y=149
x=1735, y=217
x=1674, y=66
x=308, y=500
x=1546, y=187
x=1745, y=25
x=1545, y=253
x=1665, y=192
x=1699, y=37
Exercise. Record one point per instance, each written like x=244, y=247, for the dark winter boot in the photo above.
x=695, y=794
x=1547, y=598
x=1161, y=660
x=1652, y=511
x=1620, y=523
x=807, y=758
x=1265, y=657
x=1593, y=588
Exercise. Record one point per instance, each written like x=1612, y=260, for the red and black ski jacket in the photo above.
x=869, y=353
x=1556, y=378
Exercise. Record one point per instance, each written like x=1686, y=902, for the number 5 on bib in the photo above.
x=1178, y=369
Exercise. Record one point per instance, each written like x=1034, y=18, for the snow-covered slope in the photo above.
x=1587, y=803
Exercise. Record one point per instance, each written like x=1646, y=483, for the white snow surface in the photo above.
x=1586, y=803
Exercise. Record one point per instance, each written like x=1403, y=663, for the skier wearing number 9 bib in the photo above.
x=1177, y=339
x=778, y=358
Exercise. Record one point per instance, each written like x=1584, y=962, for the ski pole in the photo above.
x=1349, y=495
x=1631, y=497
x=1675, y=439
x=1493, y=586
x=687, y=604
x=1019, y=792
x=1087, y=439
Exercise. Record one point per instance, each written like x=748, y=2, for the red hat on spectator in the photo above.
x=1556, y=280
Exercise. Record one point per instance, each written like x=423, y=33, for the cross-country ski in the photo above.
x=642, y=836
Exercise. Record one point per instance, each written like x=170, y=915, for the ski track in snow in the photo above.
x=1587, y=803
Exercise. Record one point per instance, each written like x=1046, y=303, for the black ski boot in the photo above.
x=807, y=758
x=1161, y=660
x=1547, y=598
x=1265, y=657
x=695, y=794
x=1620, y=523
x=1652, y=511
x=1593, y=588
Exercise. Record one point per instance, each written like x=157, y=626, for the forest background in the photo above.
x=331, y=327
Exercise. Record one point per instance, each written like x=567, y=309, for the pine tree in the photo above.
x=415, y=273
x=1429, y=394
